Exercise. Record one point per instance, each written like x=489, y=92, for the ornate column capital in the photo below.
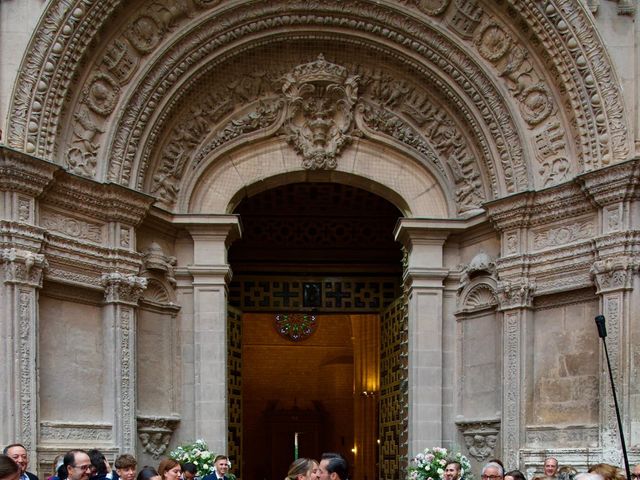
x=614, y=274
x=23, y=267
x=121, y=288
x=516, y=293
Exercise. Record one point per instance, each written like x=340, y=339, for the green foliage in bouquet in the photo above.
x=198, y=453
x=429, y=465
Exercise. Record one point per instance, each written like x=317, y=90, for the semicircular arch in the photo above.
x=391, y=174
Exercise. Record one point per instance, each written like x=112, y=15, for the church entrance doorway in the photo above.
x=314, y=273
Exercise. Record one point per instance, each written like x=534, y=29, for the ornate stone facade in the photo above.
x=504, y=133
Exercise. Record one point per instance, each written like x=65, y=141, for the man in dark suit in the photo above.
x=221, y=467
x=19, y=455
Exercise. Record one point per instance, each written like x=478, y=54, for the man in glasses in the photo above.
x=492, y=471
x=18, y=453
x=78, y=465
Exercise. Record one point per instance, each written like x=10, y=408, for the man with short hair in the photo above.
x=77, y=464
x=221, y=467
x=551, y=467
x=18, y=453
x=333, y=467
x=635, y=472
x=126, y=466
x=492, y=471
x=452, y=470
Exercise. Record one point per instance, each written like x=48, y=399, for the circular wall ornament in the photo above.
x=295, y=326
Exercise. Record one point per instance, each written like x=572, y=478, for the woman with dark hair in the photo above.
x=169, y=469
x=148, y=473
x=9, y=470
x=514, y=475
x=303, y=469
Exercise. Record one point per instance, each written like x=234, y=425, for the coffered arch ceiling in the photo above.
x=490, y=98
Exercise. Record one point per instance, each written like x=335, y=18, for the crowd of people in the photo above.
x=494, y=470
x=93, y=465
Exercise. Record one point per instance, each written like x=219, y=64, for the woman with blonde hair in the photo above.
x=303, y=469
x=608, y=472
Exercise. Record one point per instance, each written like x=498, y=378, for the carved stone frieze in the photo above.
x=55, y=431
x=578, y=436
x=613, y=274
x=155, y=433
x=516, y=293
x=563, y=235
x=480, y=437
x=22, y=267
x=72, y=227
x=121, y=288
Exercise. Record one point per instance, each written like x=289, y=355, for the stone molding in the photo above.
x=155, y=433
x=121, y=288
x=570, y=436
x=615, y=184
x=480, y=437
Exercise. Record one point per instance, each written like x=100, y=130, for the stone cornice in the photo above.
x=23, y=173
x=613, y=184
x=107, y=202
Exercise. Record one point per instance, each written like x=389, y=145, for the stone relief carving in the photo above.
x=155, y=260
x=76, y=431
x=438, y=139
x=563, y=235
x=516, y=294
x=320, y=98
x=497, y=117
x=127, y=371
x=480, y=263
x=70, y=226
x=24, y=209
x=544, y=437
x=23, y=267
x=614, y=273
x=480, y=437
x=155, y=433
x=123, y=288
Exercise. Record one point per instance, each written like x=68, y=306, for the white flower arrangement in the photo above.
x=429, y=465
x=197, y=453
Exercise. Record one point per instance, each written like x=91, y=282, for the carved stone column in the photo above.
x=613, y=278
x=615, y=274
x=211, y=273
x=22, y=278
x=515, y=298
x=122, y=293
x=22, y=181
x=424, y=279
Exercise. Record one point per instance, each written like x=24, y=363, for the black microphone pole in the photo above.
x=602, y=333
